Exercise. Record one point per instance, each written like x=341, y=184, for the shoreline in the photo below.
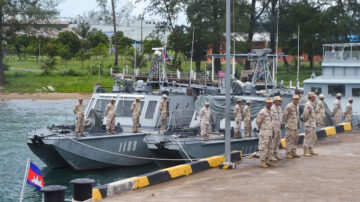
x=42, y=96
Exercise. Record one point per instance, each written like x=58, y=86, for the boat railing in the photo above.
x=342, y=56
x=180, y=118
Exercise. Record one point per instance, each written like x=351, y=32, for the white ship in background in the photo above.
x=340, y=74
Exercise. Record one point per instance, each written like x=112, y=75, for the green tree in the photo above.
x=50, y=49
x=151, y=43
x=65, y=53
x=82, y=29
x=70, y=40
x=49, y=65
x=119, y=34
x=95, y=37
x=140, y=61
x=100, y=50
x=82, y=56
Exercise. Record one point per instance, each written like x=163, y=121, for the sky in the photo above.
x=72, y=8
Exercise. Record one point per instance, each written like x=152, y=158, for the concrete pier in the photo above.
x=332, y=176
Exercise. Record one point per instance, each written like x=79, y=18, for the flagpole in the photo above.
x=25, y=177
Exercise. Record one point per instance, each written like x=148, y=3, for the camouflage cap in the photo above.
x=338, y=95
x=80, y=98
x=277, y=98
x=248, y=101
x=311, y=94
x=268, y=100
x=112, y=99
x=137, y=98
x=321, y=96
x=350, y=99
x=207, y=103
x=296, y=96
x=239, y=100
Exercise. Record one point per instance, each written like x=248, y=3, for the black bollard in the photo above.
x=82, y=188
x=54, y=193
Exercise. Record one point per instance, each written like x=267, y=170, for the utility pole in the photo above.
x=227, y=85
x=142, y=18
x=115, y=36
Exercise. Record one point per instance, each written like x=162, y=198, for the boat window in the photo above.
x=101, y=105
x=334, y=89
x=316, y=90
x=123, y=108
x=150, y=110
x=356, y=92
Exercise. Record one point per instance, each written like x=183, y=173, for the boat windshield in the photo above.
x=123, y=108
x=101, y=105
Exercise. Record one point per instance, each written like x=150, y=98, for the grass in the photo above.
x=74, y=78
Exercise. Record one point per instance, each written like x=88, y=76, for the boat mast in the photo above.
x=298, y=60
x=227, y=86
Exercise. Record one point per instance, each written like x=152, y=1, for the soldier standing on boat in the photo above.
x=163, y=112
x=238, y=118
x=276, y=114
x=348, y=111
x=205, y=124
x=265, y=125
x=247, y=119
x=309, y=119
x=136, y=112
x=320, y=111
x=80, y=121
x=337, y=112
x=291, y=118
x=110, y=117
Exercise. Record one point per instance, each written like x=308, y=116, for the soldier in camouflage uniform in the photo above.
x=238, y=110
x=337, y=111
x=264, y=123
x=205, y=124
x=110, y=117
x=320, y=111
x=348, y=111
x=80, y=121
x=163, y=112
x=291, y=118
x=247, y=119
x=136, y=112
x=276, y=114
x=309, y=120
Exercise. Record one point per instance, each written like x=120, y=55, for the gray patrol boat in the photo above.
x=57, y=146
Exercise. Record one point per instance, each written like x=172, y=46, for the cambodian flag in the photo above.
x=165, y=55
x=34, y=177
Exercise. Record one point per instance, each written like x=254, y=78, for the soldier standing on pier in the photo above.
x=247, y=119
x=136, y=112
x=337, y=112
x=205, y=124
x=348, y=111
x=110, y=117
x=238, y=118
x=309, y=119
x=276, y=114
x=265, y=125
x=320, y=111
x=163, y=112
x=80, y=121
x=291, y=118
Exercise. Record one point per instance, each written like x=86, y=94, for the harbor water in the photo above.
x=17, y=117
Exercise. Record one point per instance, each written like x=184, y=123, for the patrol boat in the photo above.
x=58, y=146
x=340, y=74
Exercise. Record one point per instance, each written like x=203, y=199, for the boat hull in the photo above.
x=48, y=154
x=104, y=151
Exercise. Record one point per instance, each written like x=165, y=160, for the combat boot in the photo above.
x=272, y=158
x=276, y=156
x=312, y=152
x=82, y=134
x=263, y=164
x=293, y=153
x=289, y=156
x=77, y=135
x=250, y=135
x=307, y=153
x=202, y=138
x=268, y=163
x=237, y=135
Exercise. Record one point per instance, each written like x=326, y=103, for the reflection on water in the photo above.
x=17, y=117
